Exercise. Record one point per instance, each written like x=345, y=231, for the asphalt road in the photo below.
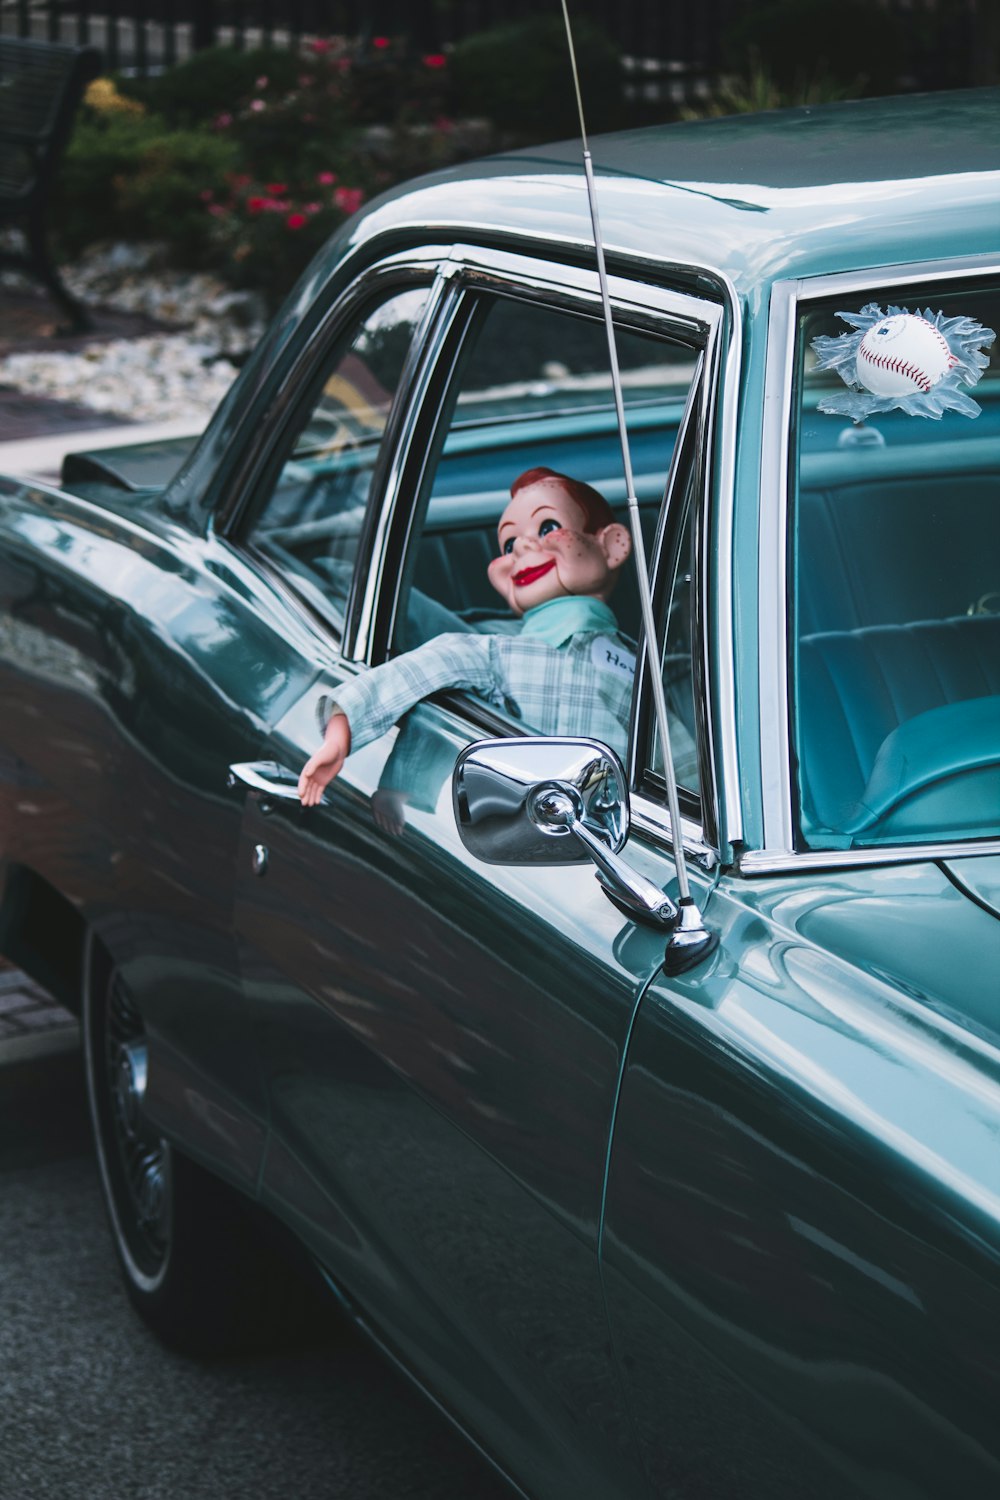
x=93, y=1408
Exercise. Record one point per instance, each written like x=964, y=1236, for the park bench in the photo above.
x=41, y=85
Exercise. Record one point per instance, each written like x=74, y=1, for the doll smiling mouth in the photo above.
x=529, y=575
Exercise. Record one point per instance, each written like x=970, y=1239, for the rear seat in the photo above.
x=857, y=686
x=893, y=554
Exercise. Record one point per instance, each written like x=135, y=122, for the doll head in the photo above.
x=558, y=537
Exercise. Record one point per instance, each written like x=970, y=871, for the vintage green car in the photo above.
x=732, y=1231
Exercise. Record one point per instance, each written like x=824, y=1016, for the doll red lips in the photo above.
x=528, y=575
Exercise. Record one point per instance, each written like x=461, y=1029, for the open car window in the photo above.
x=532, y=389
x=309, y=519
x=895, y=645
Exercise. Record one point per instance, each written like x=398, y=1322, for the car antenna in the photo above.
x=690, y=940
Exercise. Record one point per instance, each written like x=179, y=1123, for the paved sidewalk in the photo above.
x=37, y=432
x=31, y=1023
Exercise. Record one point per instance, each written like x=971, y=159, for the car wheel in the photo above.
x=196, y=1261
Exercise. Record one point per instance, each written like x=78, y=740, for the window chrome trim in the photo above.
x=758, y=862
x=724, y=376
x=652, y=821
x=778, y=853
x=416, y=267
x=434, y=330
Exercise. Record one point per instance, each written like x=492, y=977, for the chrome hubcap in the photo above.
x=141, y=1157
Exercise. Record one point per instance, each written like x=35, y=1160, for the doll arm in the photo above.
x=368, y=705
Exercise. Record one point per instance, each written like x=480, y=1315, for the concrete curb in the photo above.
x=30, y=1048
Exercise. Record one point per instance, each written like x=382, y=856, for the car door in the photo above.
x=442, y=1038
x=801, y=1250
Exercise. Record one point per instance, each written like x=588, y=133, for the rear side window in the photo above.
x=308, y=520
x=895, y=554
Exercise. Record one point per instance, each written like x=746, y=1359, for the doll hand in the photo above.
x=320, y=769
x=387, y=807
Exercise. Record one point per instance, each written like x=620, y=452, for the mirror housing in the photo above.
x=507, y=803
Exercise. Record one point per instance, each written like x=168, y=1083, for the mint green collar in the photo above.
x=558, y=620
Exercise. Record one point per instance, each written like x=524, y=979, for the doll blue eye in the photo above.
x=508, y=547
x=550, y=524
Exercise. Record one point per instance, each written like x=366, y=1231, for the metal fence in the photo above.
x=670, y=43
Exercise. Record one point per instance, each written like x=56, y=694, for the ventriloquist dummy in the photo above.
x=565, y=669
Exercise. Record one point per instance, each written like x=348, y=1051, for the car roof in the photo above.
x=760, y=197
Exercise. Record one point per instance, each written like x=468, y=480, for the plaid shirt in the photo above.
x=582, y=687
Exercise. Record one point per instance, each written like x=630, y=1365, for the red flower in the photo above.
x=349, y=199
x=381, y=42
x=320, y=46
x=326, y=179
x=277, y=188
x=295, y=221
x=435, y=60
x=255, y=205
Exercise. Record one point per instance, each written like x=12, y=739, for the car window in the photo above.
x=309, y=520
x=533, y=390
x=895, y=550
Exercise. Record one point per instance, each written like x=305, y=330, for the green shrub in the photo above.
x=759, y=91
x=209, y=82
x=850, y=44
x=270, y=170
x=130, y=177
x=519, y=77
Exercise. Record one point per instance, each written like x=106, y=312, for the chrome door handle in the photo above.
x=274, y=782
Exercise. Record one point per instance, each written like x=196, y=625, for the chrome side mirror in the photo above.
x=553, y=802
x=506, y=794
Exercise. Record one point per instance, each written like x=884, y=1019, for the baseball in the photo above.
x=902, y=355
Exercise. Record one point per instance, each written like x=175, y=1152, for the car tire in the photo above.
x=198, y=1263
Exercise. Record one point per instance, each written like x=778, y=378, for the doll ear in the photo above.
x=616, y=543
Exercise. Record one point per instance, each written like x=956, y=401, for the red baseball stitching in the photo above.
x=901, y=367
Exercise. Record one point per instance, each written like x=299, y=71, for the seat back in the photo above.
x=857, y=686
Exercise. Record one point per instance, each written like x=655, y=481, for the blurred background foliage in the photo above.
x=245, y=160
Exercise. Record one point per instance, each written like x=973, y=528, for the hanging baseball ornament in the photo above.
x=911, y=362
x=903, y=355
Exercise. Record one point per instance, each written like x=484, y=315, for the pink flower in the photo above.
x=381, y=42
x=257, y=105
x=443, y=124
x=206, y=195
x=306, y=81
x=217, y=210
x=295, y=221
x=349, y=199
x=311, y=208
x=320, y=46
x=326, y=179
x=222, y=122
x=275, y=189
x=261, y=82
x=435, y=60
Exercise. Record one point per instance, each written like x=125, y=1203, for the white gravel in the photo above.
x=159, y=377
